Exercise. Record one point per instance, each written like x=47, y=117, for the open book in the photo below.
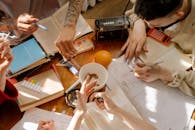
x=168, y=56
x=55, y=24
x=30, y=53
x=39, y=89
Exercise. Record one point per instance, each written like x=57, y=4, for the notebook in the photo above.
x=32, y=53
x=55, y=24
x=39, y=89
x=26, y=54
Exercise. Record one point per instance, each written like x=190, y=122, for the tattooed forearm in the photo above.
x=74, y=10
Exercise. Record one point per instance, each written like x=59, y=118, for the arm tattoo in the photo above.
x=74, y=10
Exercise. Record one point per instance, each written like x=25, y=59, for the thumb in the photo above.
x=140, y=64
x=145, y=49
x=124, y=46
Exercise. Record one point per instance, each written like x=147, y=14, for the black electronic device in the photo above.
x=112, y=28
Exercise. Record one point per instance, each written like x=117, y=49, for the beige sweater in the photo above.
x=185, y=38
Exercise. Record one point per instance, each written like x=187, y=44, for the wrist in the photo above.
x=137, y=21
x=80, y=113
x=133, y=18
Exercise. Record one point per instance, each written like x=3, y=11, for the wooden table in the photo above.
x=9, y=111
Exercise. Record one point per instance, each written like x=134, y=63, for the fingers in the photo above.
x=145, y=47
x=72, y=49
x=26, y=24
x=144, y=77
x=87, y=79
x=65, y=48
x=140, y=46
x=136, y=40
x=64, y=42
x=142, y=70
x=79, y=97
x=130, y=50
x=46, y=125
x=5, y=50
x=100, y=104
x=140, y=64
x=27, y=19
x=124, y=47
x=90, y=88
x=26, y=27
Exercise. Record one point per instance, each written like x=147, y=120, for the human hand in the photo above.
x=6, y=55
x=107, y=103
x=86, y=90
x=46, y=125
x=152, y=73
x=64, y=42
x=26, y=23
x=136, y=40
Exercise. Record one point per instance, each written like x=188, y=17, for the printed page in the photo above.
x=33, y=116
x=47, y=38
x=82, y=26
x=59, y=15
x=164, y=107
x=54, y=24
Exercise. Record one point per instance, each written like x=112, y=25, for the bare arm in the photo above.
x=6, y=58
x=133, y=122
x=76, y=121
x=66, y=37
x=74, y=10
x=130, y=120
x=82, y=96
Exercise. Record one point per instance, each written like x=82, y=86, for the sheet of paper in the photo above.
x=82, y=26
x=47, y=39
x=32, y=117
x=162, y=106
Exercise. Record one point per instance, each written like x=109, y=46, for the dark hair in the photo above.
x=151, y=9
x=2, y=14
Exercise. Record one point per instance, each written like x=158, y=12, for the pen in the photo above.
x=41, y=26
x=6, y=37
x=72, y=65
x=38, y=24
x=150, y=65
